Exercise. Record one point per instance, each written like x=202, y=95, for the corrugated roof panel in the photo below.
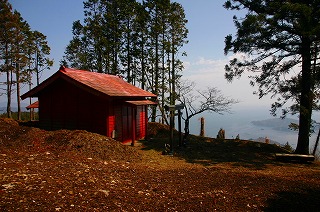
x=108, y=84
x=33, y=105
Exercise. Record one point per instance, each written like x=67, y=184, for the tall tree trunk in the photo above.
x=30, y=100
x=18, y=90
x=9, y=92
x=306, y=99
x=37, y=68
x=163, y=75
x=9, y=82
x=186, y=129
x=143, y=71
x=156, y=62
x=173, y=74
x=99, y=59
x=316, y=144
x=143, y=63
x=314, y=69
x=156, y=77
x=129, y=77
x=173, y=80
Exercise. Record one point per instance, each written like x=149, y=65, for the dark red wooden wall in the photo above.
x=63, y=105
x=124, y=122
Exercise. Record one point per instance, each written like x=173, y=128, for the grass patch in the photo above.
x=210, y=151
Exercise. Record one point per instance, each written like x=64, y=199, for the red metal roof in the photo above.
x=33, y=105
x=110, y=85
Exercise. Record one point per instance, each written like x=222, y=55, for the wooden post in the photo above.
x=172, y=109
x=202, y=127
x=145, y=108
x=179, y=128
x=30, y=102
x=171, y=131
x=134, y=120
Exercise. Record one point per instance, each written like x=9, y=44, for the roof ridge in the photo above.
x=110, y=85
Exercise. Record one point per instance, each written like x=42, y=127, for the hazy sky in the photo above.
x=208, y=25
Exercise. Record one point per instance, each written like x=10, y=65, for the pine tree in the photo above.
x=279, y=37
x=7, y=24
x=178, y=36
x=19, y=48
x=139, y=41
x=40, y=52
x=19, y=59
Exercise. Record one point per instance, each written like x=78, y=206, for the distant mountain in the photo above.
x=276, y=123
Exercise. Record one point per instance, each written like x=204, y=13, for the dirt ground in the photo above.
x=81, y=171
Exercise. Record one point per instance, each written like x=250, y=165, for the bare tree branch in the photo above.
x=211, y=100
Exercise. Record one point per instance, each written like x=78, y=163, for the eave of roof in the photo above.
x=142, y=102
x=105, y=84
x=33, y=105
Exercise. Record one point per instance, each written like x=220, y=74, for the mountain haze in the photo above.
x=276, y=124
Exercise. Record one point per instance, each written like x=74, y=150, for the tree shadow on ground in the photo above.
x=209, y=151
x=300, y=200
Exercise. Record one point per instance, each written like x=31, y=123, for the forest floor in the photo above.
x=81, y=171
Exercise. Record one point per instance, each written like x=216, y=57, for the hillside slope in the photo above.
x=80, y=171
